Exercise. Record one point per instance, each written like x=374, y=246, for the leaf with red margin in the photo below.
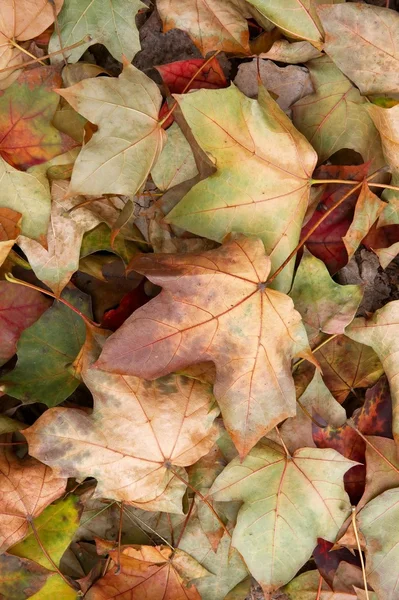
x=20, y=307
x=177, y=75
x=374, y=418
x=27, y=108
x=327, y=560
x=326, y=242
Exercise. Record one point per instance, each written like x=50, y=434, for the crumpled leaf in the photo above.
x=20, y=307
x=336, y=115
x=137, y=431
x=381, y=332
x=211, y=24
x=112, y=24
x=378, y=522
x=45, y=352
x=213, y=301
x=368, y=209
x=261, y=186
x=177, y=75
x=55, y=265
x=176, y=162
x=27, y=487
x=363, y=41
x=296, y=18
x=27, y=136
x=288, y=502
x=159, y=573
x=325, y=306
x=119, y=156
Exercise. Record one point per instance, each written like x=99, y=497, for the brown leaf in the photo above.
x=216, y=306
x=26, y=488
x=9, y=230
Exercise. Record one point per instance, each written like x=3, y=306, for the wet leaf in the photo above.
x=209, y=300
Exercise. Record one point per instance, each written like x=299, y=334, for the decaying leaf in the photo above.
x=20, y=578
x=288, y=502
x=120, y=155
x=172, y=419
x=212, y=301
x=261, y=186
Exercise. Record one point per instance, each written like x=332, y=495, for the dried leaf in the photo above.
x=26, y=20
x=20, y=578
x=380, y=476
x=119, y=156
x=294, y=53
x=288, y=502
x=368, y=209
x=176, y=162
x=178, y=75
x=213, y=301
x=261, y=186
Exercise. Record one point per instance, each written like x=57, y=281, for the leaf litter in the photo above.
x=199, y=300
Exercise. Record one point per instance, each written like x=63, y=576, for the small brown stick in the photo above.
x=360, y=551
x=186, y=520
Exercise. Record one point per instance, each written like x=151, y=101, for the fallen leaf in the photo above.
x=26, y=111
x=373, y=32
x=55, y=266
x=115, y=317
x=178, y=75
x=288, y=83
x=378, y=522
x=45, y=351
x=99, y=239
x=9, y=229
x=263, y=172
x=55, y=587
x=328, y=560
x=368, y=209
x=288, y=502
x=20, y=578
x=381, y=333
x=336, y=115
x=294, y=53
x=326, y=241
x=306, y=587
x=27, y=487
x=213, y=301
x=113, y=25
x=380, y=476
x=24, y=21
x=20, y=307
x=347, y=365
x=211, y=24
x=325, y=306
x=176, y=162
x=172, y=417
x=119, y=156
x=159, y=573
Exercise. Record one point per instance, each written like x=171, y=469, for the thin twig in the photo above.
x=135, y=518
x=316, y=348
x=16, y=45
x=364, y=438
x=360, y=551
x=58, y=32
x=319, y=588
x=186, y=520
x=118, y=569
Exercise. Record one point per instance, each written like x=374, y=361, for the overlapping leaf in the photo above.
x=211, y=302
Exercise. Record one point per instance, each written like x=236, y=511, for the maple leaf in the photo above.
x=378, y=523
x=10, y=221
x=381, y=333
x=326, y=241
x=173, y=415
x=293, y=53
x=261, y=186
x=216, y=307
x=45, y=351
x=27, y=487
x=20, y=578
x=177, y=75
x=27, y=107
x=64, y=238
x=176, y=162
x=325, y=306
x=19, y=309
x=211, y=24
x=24, y=21
x=380, y=476
x=119, y=156
x=159, y=573
x=367, y=211
x=288, y=502
x=113, y=25
x=373, y=32
x=336, y=115
x=306, y=587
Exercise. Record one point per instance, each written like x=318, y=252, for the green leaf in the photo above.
x=378, y=522
x=99, y=238
x=55, y=527
x=336, y=116
x=45, y=352
x=19, y=578
x=176, y=162
x=288, y=502
x=325, y=306
x=264, y=165
x=111, y=23
x=120, y=155
x=54, y=588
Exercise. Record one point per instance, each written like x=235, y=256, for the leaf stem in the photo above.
x=342, y=181
x=16, y=45
x=319, y=588
x=364, y=438
x=201, y=68
x=316, y=348
x=280, y=437
x=204, y=499
x=360, y=550
x=186, y=520
x=11, y=279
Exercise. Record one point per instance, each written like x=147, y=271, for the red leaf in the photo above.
x=374, y=418
x=326, y=242
x=381, y=237
x=177, y=75
x=327, y=560
x=130, y=302
x=27, y=108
